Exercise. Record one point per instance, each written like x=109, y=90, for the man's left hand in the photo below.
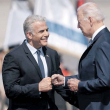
x=73, y=84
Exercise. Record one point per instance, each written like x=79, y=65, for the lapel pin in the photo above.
x=47, y=56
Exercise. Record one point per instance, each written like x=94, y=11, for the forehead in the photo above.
x=79, y=14
x=40, y=25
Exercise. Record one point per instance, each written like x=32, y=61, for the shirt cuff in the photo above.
x=64, y=82
x=39, y=93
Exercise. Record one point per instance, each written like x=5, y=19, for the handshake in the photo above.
x=57, y=79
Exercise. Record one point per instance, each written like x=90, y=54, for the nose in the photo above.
x=46, y=33
x=78, y=26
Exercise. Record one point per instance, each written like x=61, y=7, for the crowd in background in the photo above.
x=3, y=99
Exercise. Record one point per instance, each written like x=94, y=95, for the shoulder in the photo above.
x=52, y=53
x=104, y=46
x=14, y=52
x=50, y=50
x=103, y=51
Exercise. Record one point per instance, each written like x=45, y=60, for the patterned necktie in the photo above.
x=40, y=63
x=90, y=42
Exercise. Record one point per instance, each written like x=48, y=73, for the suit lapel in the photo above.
x=95, y=39
x=31, y=58
x=48, y=60
x=88, y=49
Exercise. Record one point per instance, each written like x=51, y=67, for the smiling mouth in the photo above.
x=44, y=39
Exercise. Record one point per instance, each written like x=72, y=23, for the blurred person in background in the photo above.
x=60, y=102
x=28, y=68
x=3, y=99
x=65, y=70
x=92, y=84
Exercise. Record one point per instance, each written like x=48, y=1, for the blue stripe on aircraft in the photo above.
x=66, y=32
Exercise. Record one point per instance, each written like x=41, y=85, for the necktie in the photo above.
x=40, y=63
x=90, y=42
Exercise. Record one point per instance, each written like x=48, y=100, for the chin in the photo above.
x=84, y=34
x=44, y=44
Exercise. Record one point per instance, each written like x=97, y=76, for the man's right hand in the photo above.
x=57, y=79
x=45, y=85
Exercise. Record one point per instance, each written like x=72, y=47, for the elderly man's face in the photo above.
x=40, y=34
x=84, y=25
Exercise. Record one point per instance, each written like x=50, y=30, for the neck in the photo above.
x=35, y=46
x=97, y=25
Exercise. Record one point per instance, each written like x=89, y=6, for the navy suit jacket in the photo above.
x=21, y=76
x=94, y=73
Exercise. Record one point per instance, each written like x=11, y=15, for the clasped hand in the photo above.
x=73, y=84
x=60, y=80
x=46, y=83
x=57, y=79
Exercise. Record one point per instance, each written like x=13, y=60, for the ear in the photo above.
x=29, y=35
x=91, y=21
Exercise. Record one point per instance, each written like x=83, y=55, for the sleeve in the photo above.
x=102, y=64
x=11, y=79
x=69, y=77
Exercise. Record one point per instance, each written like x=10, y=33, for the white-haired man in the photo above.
x=92, y=84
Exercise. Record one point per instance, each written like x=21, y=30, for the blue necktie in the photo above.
x=90, y=42
x=40, y=63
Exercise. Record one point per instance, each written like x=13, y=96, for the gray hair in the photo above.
x=29, y=21
x=91, y=10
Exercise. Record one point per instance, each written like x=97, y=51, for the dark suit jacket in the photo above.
x=94, y=73
x=21, y=76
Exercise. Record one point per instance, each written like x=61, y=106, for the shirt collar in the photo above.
x=32, y=49
x=97, y=31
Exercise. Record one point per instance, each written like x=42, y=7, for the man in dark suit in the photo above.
x=92, y=84
x=27, y=70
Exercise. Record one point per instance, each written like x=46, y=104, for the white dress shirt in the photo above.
x=34, y=53
x=97, y=31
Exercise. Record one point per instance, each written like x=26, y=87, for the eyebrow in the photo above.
x=43, y=30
